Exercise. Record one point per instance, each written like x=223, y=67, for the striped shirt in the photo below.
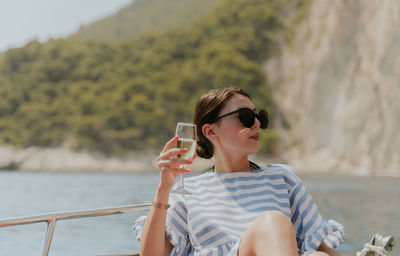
x=222, y=206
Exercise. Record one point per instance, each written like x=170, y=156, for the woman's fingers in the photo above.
x=171, y=152
x=170, y=143
x=174, y=171
x=169, y=163
x=173, y=162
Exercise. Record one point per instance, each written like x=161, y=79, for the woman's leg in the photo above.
x=272, y=233
x=319, y=254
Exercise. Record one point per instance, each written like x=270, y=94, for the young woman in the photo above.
x=237, y=208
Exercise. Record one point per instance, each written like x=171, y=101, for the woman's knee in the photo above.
x=272, y=223
x=319, y=254
x=273, y=215
x=271, y=229
x=274, y=219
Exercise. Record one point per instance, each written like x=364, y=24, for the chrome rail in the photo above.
x=52, y=218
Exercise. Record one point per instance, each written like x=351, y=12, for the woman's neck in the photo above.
x=227, y=164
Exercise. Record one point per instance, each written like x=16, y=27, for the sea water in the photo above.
x=363, y=205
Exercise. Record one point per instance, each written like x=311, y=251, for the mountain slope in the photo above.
x=147, y=16
x=116, y=96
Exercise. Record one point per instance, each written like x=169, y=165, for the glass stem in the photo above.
x=182, y=178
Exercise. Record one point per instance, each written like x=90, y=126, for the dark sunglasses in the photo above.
x=248, y=117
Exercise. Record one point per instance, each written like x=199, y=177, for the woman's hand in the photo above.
x=323, y=247
x=170, y=164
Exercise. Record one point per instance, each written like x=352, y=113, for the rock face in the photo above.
x=338, y=86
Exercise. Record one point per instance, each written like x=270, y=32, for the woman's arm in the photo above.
x=323, y=247
x=154, y=239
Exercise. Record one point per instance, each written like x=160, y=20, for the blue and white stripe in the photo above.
x=222, y=206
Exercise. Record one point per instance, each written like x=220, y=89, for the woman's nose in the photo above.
x=256, y=123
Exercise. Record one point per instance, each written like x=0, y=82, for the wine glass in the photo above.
x=187, y=139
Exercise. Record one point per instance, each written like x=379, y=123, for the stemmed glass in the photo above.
x=187, y=139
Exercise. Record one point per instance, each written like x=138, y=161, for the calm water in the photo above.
x=363, y=205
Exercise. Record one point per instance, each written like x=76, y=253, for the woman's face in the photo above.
x=232, y=136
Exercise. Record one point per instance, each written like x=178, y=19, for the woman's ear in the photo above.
x=208, y=131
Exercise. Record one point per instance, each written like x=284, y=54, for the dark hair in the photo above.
x=208, y=108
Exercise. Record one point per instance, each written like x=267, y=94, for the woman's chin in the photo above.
x=254, y=149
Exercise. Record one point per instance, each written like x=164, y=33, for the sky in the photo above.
x=24, y=20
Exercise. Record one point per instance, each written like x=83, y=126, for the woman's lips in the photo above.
x=255, y=137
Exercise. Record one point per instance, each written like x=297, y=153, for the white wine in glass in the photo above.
x=187, y=139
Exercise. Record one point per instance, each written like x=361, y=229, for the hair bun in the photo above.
x=204, y=150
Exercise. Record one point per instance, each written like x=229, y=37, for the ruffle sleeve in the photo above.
x=311, y=228
x=331, y=232
x=176, y=226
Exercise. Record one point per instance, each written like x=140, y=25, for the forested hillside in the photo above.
x=117, y=96
x=147, y=16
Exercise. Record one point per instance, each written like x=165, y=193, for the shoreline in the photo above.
x=61, y=160
x=35, y=159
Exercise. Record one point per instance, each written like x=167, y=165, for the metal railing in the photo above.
x=52, y=218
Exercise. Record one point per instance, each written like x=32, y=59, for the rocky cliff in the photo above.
x=338, y=85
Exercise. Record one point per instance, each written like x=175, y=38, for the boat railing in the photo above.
x=52, y=218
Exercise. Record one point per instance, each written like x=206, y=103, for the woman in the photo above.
x=238, y=208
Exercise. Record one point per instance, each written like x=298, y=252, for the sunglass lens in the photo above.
x=247, y=117
x=262, y=116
